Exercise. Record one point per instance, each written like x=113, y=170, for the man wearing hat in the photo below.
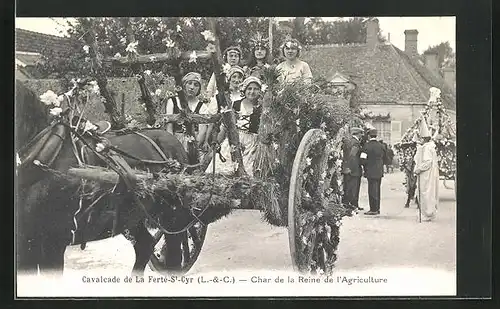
x=372, y=158
x=352, y=168
x=427, y=171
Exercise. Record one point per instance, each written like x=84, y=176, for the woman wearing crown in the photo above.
x=293, y=68
x=258, y=56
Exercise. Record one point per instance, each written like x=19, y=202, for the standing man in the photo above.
x=372, y=158
x=427, y=171
x=352, y=168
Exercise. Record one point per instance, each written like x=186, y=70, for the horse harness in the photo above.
x=44, y=148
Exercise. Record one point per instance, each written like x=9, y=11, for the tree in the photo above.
x=153, y=36
x=343, y=31
x=446, y=56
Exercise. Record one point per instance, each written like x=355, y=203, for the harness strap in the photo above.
x=155, y=145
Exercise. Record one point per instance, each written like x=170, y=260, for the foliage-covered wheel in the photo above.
x=191, y=244
x=313, y=214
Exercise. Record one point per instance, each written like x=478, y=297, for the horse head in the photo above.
x=31, y=115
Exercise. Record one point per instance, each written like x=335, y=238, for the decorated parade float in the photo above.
x=444, y=136
x=296, y=179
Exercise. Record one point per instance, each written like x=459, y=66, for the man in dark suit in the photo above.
x=372, y=158
x=352, y=168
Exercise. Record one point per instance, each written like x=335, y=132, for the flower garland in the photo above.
x=443, y=136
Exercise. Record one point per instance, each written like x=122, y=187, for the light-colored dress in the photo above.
x=247, y=139
x=290, y=72
x=427, y=168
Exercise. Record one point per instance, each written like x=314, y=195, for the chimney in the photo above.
x=450, y=77
x=431, y=62
x=411, y=42
x=372, y=32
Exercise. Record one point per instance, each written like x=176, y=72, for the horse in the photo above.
x=46, y=205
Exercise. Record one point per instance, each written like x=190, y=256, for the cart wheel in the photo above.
x=191, y=245
x=312, y=238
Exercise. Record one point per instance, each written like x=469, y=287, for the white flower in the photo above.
x=208, y=35
x=49, y=98
x=89, y=126
x=226, y=67
x=158, y=92
x=210, y=48
x=264, y=87
x=179, y=29
x=132, y=47
x=147, y=72
x=308, y=161
x=187, y=22
x=275, y=146
x=193, y=57
x=86, y=48
x=94, y=87
x=117, y=55
x=56, y=111
x=168, y=41
x=99, y=147
x=297, y=122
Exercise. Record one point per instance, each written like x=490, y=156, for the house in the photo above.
x=29, y=48
x=391, y=85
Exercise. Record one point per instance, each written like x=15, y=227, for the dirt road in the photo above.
x=244, y=241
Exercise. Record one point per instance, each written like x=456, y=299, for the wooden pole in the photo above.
x=171, y=56
x=110, y=106
x=224, y=101
x=270, y=56
x=137, y=69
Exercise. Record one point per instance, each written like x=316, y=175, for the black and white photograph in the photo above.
x=235, y=156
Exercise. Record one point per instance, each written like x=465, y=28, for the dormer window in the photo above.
x=340, y=85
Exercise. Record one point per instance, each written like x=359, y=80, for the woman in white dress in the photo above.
x=293, y=68
x=248, y=111
x=191, y=85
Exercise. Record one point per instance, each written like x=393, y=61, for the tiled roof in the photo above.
x=382, y=73
x=429, y=79
x=30, y=41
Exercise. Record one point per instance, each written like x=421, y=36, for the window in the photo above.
x=384, y=130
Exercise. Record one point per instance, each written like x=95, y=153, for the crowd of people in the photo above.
x=245, y=93
x=370, y=159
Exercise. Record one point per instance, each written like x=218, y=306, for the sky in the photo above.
x=431, y=30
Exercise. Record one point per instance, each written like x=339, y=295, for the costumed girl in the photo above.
x=293, y=68
x=232, y=57
x=259, y=56
x=248, y=111
x=191, y=85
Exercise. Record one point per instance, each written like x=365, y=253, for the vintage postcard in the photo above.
x=235, y=156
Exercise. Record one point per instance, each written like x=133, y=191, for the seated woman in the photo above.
x=248, y=111
x=258, y=57
x=234, y=77
x=293, y=68
x=191, y=85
